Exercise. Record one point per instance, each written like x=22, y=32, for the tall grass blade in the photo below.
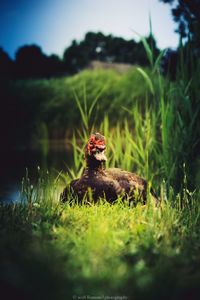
x=147, y=79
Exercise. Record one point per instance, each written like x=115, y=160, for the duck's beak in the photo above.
x=100, y=156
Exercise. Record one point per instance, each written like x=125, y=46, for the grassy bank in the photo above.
x=51, y=250
x=158, y=118
x=54, y=251
x=51, y=107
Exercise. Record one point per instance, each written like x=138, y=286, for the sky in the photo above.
x=53, y=24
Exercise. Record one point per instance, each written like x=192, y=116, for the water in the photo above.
x=14, y=163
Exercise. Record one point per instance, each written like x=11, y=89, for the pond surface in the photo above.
x=14, y=164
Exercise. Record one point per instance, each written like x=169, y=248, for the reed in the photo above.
x=51, y=250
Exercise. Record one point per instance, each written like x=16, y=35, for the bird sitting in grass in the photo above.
x=98, y=182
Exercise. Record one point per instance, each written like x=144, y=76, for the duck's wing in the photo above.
x=109, y=188
x=79, y=188
x=132, y=183
x=127, y=179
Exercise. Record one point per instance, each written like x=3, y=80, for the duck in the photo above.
x=97, y=182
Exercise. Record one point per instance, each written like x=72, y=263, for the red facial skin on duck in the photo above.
x=96, y=148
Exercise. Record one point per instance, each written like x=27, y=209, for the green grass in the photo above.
x=53, y=102
x=158, y=118
x=54, y=251
x=50, y=250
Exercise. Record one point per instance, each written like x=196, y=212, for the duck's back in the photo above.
x=99, y=183
x=110, y=184
x=129, y=182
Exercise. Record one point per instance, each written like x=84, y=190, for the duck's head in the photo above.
x=95, y=150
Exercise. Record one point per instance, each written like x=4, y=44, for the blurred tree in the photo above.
x=30, y=62
x=6, y=65
x=75, y=57
x=169, y=63
x=187, y=14
x=97, y=46
x=54, y=66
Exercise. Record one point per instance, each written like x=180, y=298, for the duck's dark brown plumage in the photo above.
x=109, y=183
